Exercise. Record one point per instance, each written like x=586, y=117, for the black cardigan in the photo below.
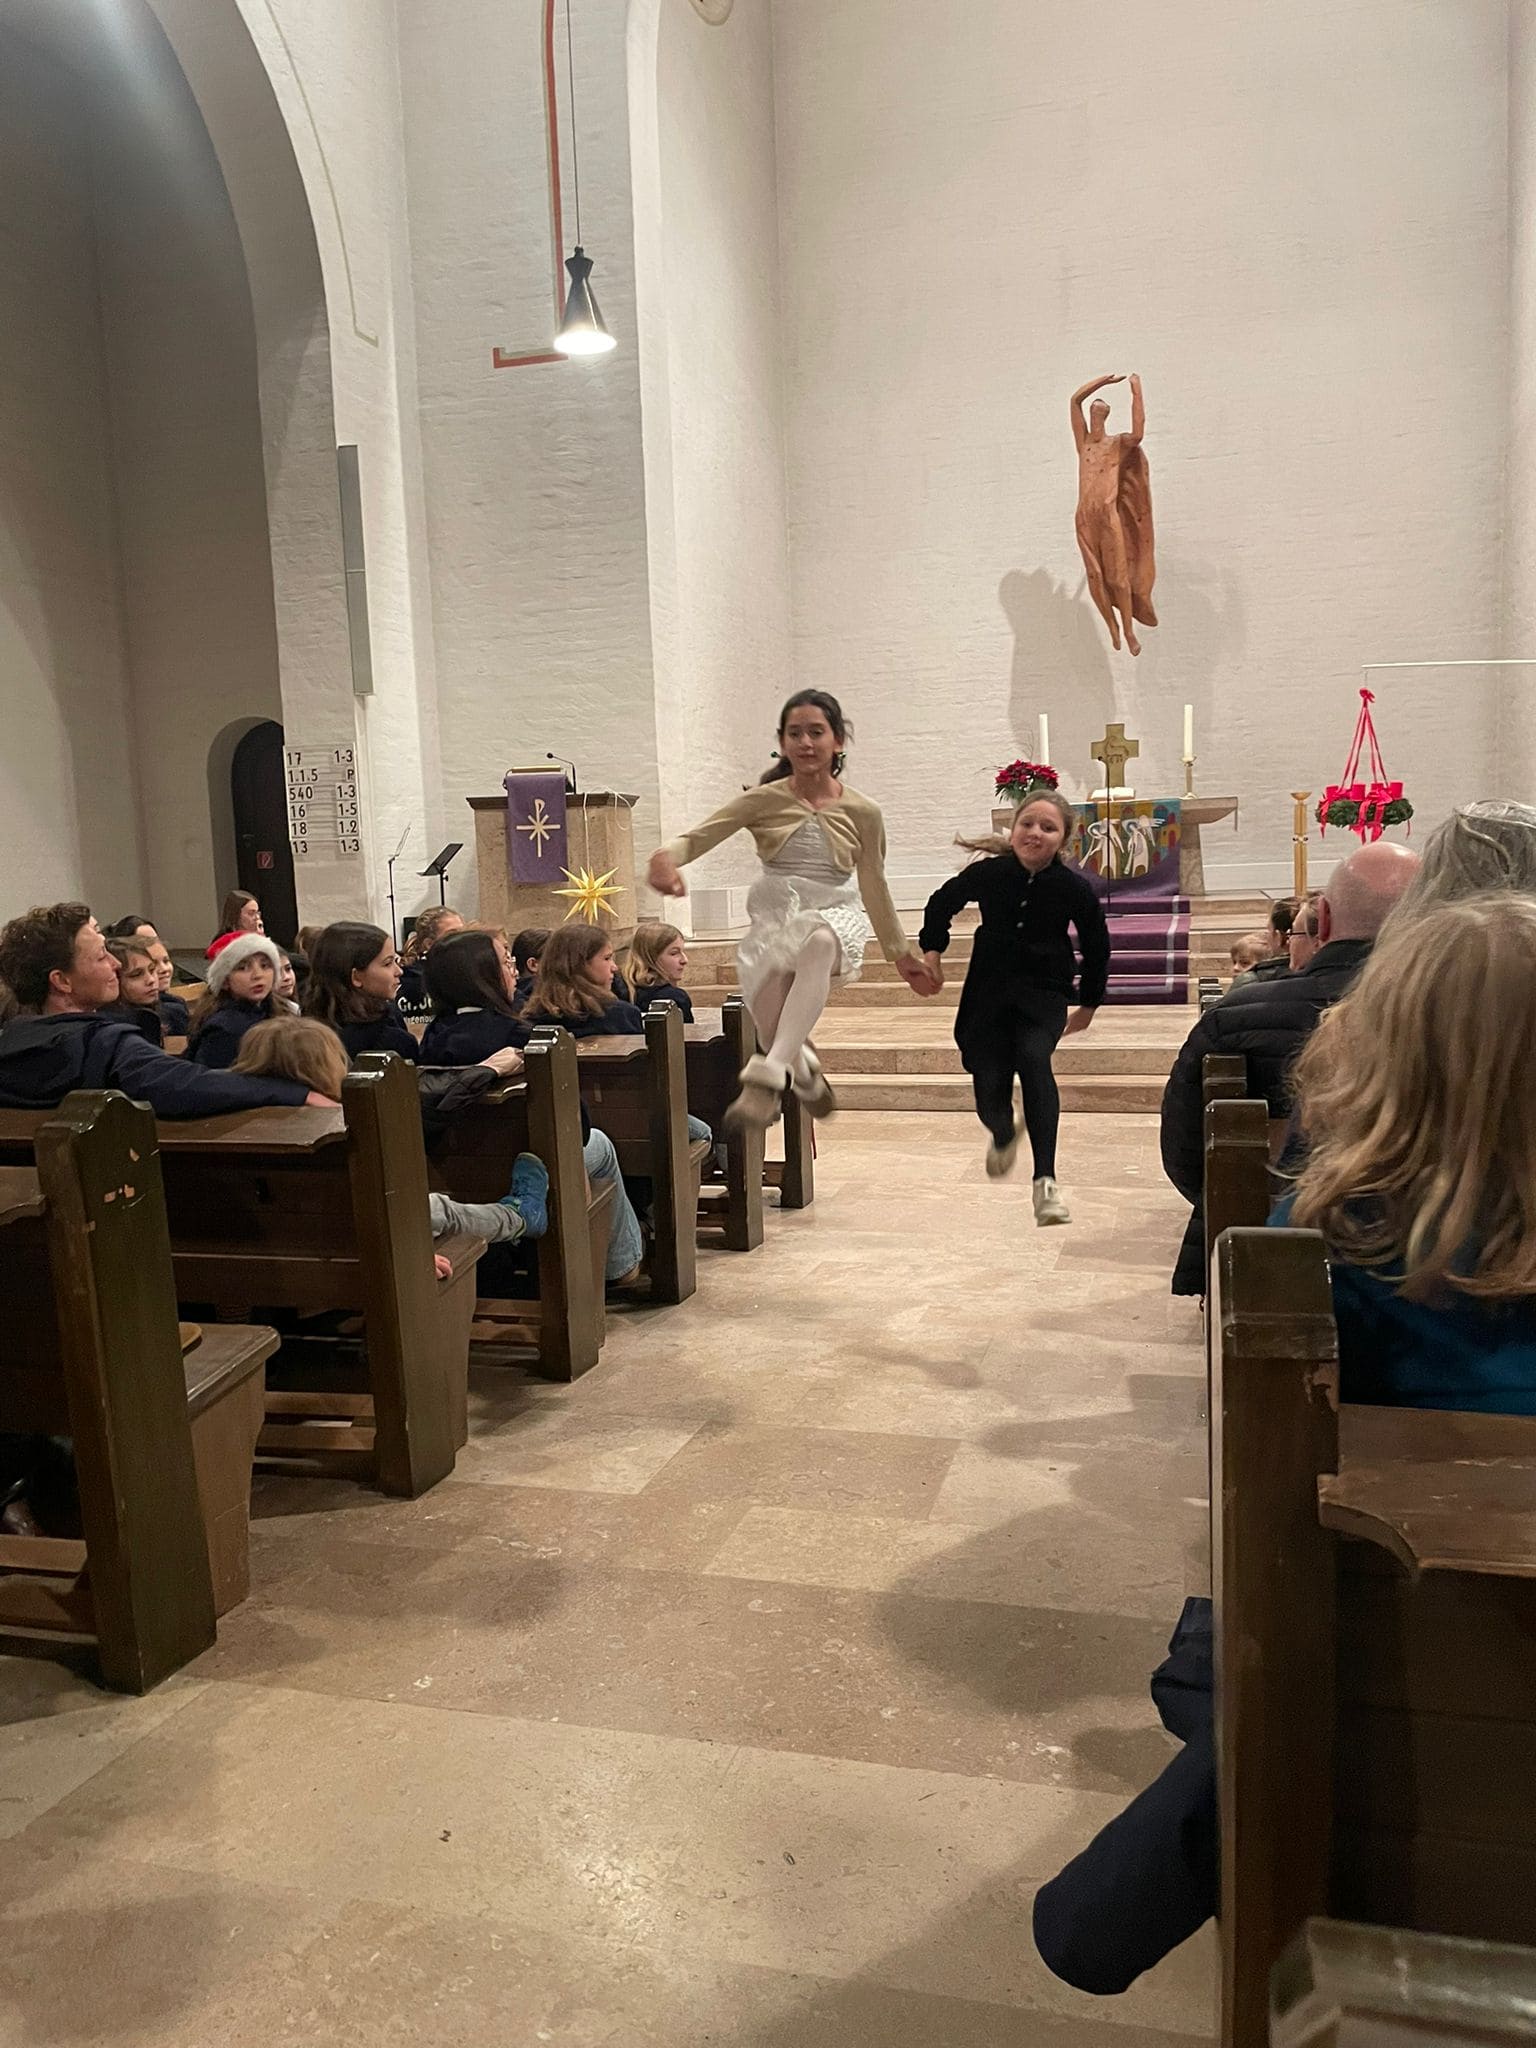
x=463, y=1038
x=388, y=1032
x=664, y=992
x=216, y=1042
x=619, y=1020
x=1024, y=940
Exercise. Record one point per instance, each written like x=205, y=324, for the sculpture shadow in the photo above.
x=1061, y=665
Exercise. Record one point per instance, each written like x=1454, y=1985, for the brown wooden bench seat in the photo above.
x=1374, y=1574
x=472, y=1161
x=162, y=1437
x=720, y=1042
x=324, y=1212
x=635, y=1090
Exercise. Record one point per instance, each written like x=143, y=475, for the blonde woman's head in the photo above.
x=657, y=957
x=295, y=1049
x=1416, y=1096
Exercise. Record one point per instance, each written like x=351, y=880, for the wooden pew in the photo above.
x=635, y=1090
x=162, y=1441
x=716, y=1056
x=715, y=1082
x=1208, y=992
x=795, y=1174
x=473, y=1160
x=1223, y=1077
x=1236, y=1183
x=1374, y=1576
x=1344, y=1986
x=317, y=1210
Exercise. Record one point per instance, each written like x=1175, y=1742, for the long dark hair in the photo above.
x=562, y=990
x=234, y=903
x=831, y=711
x=328, y=993
x=463, y=972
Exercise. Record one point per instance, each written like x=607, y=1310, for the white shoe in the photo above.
x=811, y=1085
x=1049, y=1207
x=1000, y=1158
x=761, y=1097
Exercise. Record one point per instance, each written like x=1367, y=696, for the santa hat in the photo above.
x=234, y=951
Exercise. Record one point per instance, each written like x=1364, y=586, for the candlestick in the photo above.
x=1189, y=732
x=1189, y=774
x=1045, y=741
x=1299, y=829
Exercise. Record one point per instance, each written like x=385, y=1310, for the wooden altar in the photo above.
x=601, y=839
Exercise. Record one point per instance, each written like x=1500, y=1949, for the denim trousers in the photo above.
x=627, y=1244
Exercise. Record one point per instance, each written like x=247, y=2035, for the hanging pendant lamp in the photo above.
x=582, y=332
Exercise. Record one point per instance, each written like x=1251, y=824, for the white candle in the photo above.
x=1045, y=741
x=1189, y=732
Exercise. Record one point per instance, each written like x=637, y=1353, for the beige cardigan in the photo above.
x=851, y=825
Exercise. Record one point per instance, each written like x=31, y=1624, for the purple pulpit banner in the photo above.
x=537, y=849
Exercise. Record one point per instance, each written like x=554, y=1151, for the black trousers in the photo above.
x=1018, y=1039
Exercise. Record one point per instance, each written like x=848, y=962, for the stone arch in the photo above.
x=252, y=104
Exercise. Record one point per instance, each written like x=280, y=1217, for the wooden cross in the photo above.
x=1114, y=750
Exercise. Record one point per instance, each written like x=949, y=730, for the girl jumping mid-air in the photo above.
x=821, y=890
x=1013, y=1008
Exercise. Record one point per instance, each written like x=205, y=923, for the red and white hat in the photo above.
x=233, y=949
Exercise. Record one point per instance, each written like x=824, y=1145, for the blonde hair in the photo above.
x=1416, y=1098
x=1002, y=842
x=295, y=1049
x=1250, y=949
x=645, y=949
x=426, y=930
x=562, y=990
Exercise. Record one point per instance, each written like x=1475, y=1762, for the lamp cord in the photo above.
x=570, y=74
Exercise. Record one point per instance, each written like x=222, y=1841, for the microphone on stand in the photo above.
x=570, y=772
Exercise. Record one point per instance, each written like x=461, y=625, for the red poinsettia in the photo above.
x=1019, y=776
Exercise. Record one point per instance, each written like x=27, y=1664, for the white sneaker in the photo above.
x=1000, y=1158
x=1049, y=1207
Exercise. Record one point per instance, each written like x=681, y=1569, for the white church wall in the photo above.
x=706, y=223
x=1518, y=685
x=68, y=816
x=1291, y=221
x=303, y=107
x=196, y=571
x=536, y=519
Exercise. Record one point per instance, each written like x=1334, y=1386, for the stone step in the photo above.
x=1074, y=1056
x=1079, y=1092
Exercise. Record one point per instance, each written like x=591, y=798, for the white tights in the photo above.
x=786, y=1007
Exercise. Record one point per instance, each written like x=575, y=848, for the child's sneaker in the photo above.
x=529, y=1194
x=1049, y=1207
x=1000, y=1158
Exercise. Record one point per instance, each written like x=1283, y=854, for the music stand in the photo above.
x=439, y=867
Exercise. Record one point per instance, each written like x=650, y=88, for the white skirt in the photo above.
x=785, y=910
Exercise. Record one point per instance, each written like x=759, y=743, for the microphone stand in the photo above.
x=394, y=938
x=570, y=772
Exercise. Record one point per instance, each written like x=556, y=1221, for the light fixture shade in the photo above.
x=582, y=332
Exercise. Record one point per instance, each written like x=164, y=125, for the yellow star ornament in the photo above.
x=591, y=894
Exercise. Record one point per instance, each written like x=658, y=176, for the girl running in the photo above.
x=821, y=890
x=1013, y=1008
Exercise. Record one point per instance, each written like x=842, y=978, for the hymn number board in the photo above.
x=325, y=814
